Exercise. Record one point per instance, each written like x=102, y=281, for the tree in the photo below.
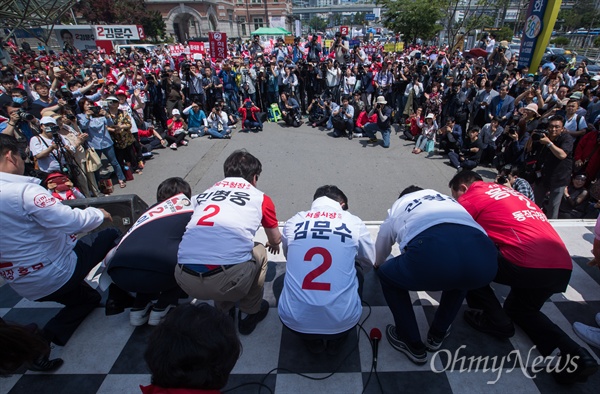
x=413, y=19
x=112, y=11
x=154, y=25
x=463, y=18
x=582, y=15
x=359, y=18
x=317, y=24
x=560, y=41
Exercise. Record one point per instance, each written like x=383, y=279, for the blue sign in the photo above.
x=370, y=17
x=353, y=43
x=531, y=31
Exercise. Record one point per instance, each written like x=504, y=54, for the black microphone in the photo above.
x=375, y=337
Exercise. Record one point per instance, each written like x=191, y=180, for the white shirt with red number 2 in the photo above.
x=320, y=291
x=225, y=220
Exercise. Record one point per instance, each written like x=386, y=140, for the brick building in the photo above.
x=237, y=18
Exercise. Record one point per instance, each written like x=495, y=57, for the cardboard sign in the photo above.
x=218, y=45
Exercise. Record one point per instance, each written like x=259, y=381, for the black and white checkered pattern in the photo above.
x=106, y=354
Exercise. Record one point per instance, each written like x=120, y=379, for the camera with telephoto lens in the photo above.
x=24, y=116
x=502, y=180
x=537, y=134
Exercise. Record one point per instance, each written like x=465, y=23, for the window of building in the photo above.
x=242, y=22
x=258, y=23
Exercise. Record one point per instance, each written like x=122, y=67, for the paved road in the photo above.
x=298, y=160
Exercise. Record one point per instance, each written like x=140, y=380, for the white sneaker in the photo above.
x=157, y=315
x=192, y=136
x=184, y=142
x=139, y=317
x=173, y=146
x=358, y=135
x=590, y=335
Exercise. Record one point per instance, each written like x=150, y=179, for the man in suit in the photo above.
x=481, y=104
x=502, y=106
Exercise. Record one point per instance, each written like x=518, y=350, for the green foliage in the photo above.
x=317, y=24
x=597, y=42
x=154, y=25
x=504, y=34
x=413, y=19
x=582, y=15
x=112, y=11
x=560, y=41
x=358, y=18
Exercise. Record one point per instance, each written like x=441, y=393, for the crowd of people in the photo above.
x=63, y=112
x=479, y=111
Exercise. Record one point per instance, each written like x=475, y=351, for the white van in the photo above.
x=139, y=47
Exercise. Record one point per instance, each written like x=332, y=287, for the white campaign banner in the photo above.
x=119, y=32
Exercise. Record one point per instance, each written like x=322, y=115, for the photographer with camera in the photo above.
x=213, y=87
x=470, y=152
x=383, y=125
x=155, y=108
x=343, y=119
x=314, y=50
x=554, y=164
x=290, y=110
x=256, y=47
x=509, y=177
x=297, y=51
x=193, y=80
x=47, y=150
x=340, y=49
x=333, y=77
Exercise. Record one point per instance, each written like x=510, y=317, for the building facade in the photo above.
x=237, y=18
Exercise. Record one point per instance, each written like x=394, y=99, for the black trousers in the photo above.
x=147, y=285
x=76, y=295
x=530, y=289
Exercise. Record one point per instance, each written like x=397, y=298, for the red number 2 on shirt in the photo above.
x=308, y=283
x=214, y=210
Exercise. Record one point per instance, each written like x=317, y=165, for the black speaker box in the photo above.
x=125, y=209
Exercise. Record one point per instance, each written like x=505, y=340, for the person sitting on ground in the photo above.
x=290, y=110
x=250, y=118
x=383, y=124
x=427, y=134
x=176, y=130
x=362, y=119
x=192, y=351
x=218, y=123
x=342, y=119
x=197, y=121
x=324, y=319
x=470, y=153
x=316, y=111
x=417, y=122
x=450, y=136
x=145, y=259
x=575, y=199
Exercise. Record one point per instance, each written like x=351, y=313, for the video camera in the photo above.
x=538, y=133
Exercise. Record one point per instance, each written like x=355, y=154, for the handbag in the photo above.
x=92, y=160
x=430, y=146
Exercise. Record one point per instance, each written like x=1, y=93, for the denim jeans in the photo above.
x=218, y=134
x=371, y=129
x=466, y=164
x=112, y=159
x=250, y=124
x=230, y=98
x=199, y=131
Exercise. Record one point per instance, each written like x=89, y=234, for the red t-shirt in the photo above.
x=517, y=226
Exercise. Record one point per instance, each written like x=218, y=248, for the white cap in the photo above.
x=596, y=77
x=48, y=120
x=175, y=112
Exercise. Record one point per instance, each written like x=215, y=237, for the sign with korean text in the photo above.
x=344, y=30
x=218, y=45
x=176, y=50
x=118, y=32
x=197, y=47
x=369, y=17
x=539, y=23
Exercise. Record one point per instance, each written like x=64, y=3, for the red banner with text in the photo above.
x=218, y=45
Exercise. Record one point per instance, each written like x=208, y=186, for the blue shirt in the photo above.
x=99, y=138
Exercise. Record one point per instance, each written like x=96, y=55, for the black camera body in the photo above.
x=24, y=116
x=95, y=111
x=502, y=180
x=537, y=134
